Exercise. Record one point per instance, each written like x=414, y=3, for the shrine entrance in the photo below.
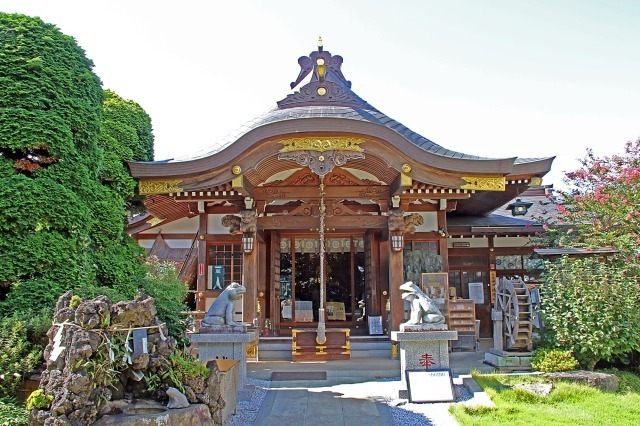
x=345, y=295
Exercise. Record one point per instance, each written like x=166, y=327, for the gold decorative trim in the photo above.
x=159, y=186
x=406, y=168
x=236, y=170
x=484, y=183
x=252, y=352
x=405, y=180
x=321, y=144
x=155, y=220
x=535, y=181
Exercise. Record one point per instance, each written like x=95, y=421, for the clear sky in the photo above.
x=497, y=78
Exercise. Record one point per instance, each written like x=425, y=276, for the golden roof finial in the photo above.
x=319, y=44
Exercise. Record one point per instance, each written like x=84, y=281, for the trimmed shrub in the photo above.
x=553, y=360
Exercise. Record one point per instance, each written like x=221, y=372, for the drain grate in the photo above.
x=298, y=375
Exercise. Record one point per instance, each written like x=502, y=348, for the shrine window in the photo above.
x=224, y=265
x=420, y=257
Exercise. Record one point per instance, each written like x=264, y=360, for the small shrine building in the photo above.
x=395, y=205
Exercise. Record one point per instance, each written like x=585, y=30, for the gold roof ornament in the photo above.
x=535, y=181
x=483, y=183
x=155, y=220
x=322, y=144
x=159, y=186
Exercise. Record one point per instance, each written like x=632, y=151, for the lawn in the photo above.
x=568, y=403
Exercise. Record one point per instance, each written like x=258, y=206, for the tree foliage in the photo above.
x=126, y=135
x=602, y=209
x=591, y=309
x=162, y=283
x=64, y=184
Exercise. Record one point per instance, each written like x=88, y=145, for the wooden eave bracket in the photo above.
x=240, y=184
x=400, y=183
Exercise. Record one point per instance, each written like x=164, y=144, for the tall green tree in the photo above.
x=125, y=135
x=590, y=305
x=62, y=185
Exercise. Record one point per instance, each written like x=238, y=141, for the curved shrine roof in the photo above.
x=326, y=103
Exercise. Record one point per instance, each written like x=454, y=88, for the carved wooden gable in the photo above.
x=337, y=177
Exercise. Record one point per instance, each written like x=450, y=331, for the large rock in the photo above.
x=197, y=414
x=79, y=392
x=93, y=313
x=135, y=313
x=604, y=381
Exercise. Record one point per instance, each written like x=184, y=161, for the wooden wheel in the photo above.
x=513, y=299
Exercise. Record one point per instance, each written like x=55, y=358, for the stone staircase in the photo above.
x=279, y=348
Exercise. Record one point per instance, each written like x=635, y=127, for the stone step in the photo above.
x=279, y=348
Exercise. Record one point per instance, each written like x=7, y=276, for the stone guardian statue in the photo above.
x=423, y=309
x=221, y=310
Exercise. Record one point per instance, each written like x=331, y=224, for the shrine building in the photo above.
x=395, y=206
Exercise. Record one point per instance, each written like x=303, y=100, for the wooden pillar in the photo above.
x=396, y=278
x=383, y=272
x=250, y=281
x=375, y=282
x=263, y=282
x=202, y=261
x=442, y=241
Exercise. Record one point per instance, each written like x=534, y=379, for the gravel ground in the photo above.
x=246, y=411
x=384, y=390
x=436, y=414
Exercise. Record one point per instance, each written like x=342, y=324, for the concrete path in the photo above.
x=350, y=394
x=290, y=406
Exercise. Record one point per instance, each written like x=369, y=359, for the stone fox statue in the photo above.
x=423, y=310
x=221, y=310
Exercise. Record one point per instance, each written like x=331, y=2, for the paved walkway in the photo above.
x=287, y=406
x=349, y=393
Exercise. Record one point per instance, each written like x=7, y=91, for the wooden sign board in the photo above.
x=335, y=311
x=430, y=385
x=492, y=286
x=216, y=277
x=476, y=292
x=375, y=325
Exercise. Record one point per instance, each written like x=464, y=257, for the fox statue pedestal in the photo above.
x=422, y=347
x=424, y=339
x=221, y=345
x=220, y=337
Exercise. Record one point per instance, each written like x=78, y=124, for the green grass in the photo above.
x=568, y=403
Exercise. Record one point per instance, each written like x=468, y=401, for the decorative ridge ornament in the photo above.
x=482, y=183
x=321, y=155
x=159, y=186
x=327, y=86
x=322, y=144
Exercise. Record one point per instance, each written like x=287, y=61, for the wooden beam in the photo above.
x=186, y=197
x=222, y=209
x=307, y=222
x=331, y=192
x=415, y=196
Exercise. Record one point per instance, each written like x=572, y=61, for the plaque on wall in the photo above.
x=216, y=277
x=375, y=325
x=336, y=311
x=476, y=292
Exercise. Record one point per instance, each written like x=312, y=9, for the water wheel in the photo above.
x=513, y=299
